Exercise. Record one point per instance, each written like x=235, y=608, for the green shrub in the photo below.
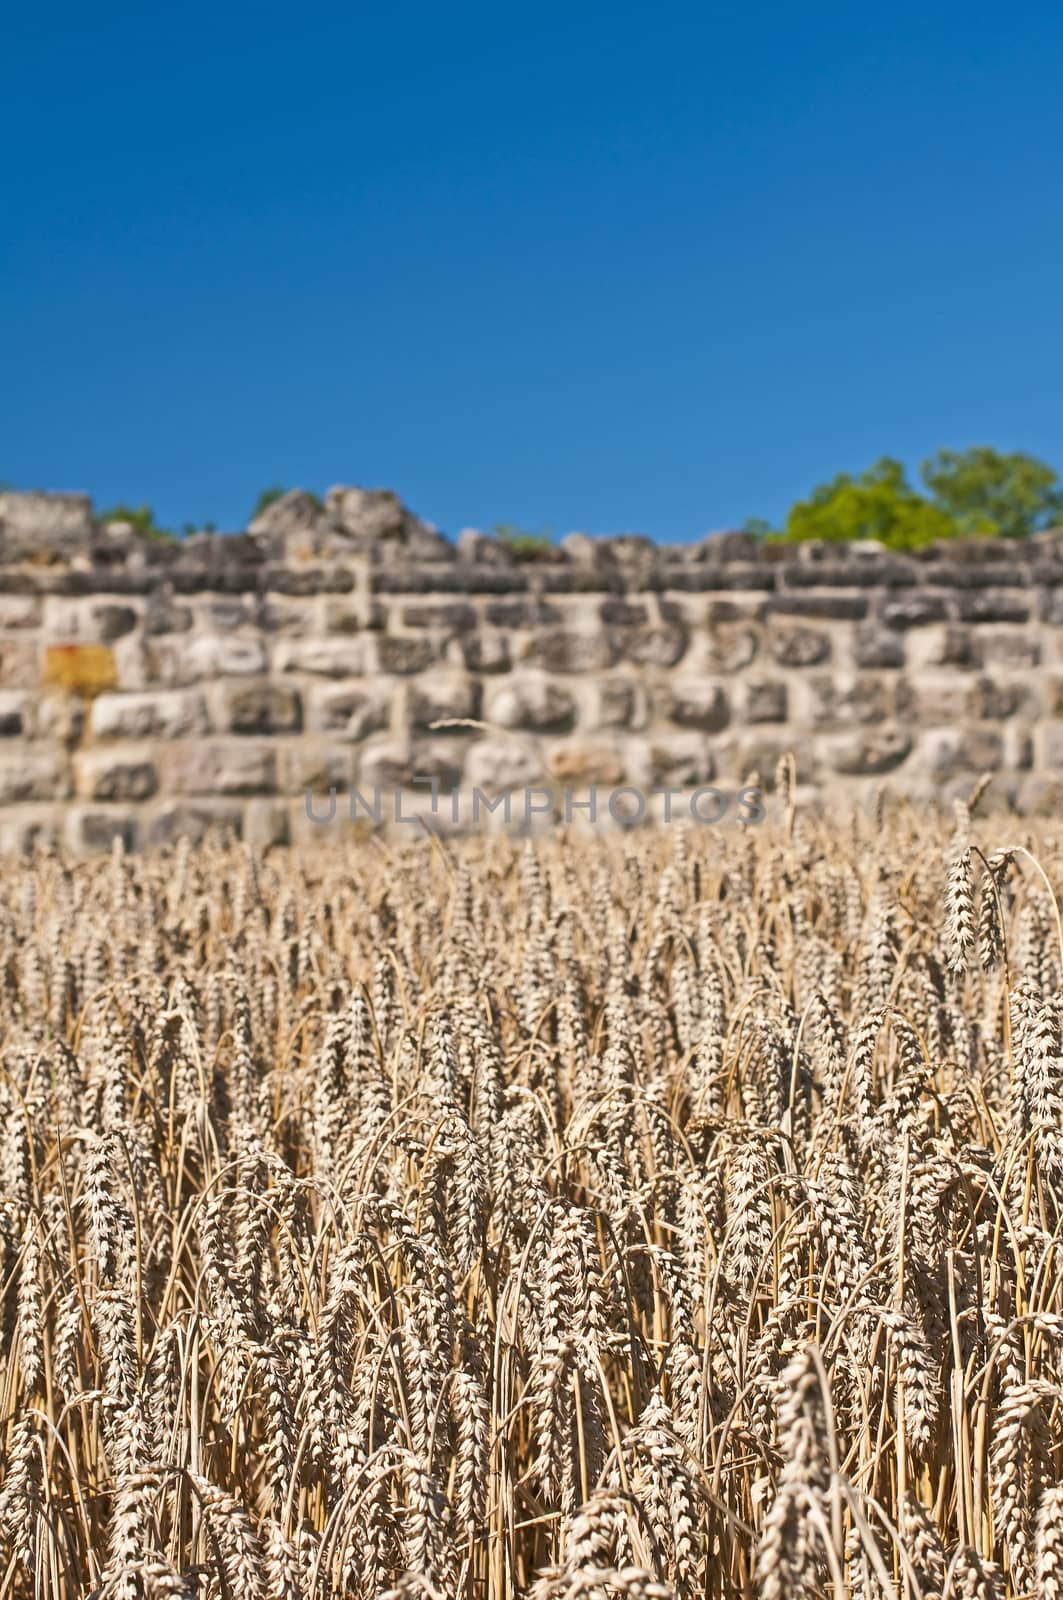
x=525, y=546
x=142, y=519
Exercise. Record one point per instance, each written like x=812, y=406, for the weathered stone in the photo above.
x=971, y=749
x=368, y=514
x=693, y=703
x=163, y=615
x=452, y=616
x=28, y=773
x=34, y=522
x=866, y=753
x=400, y=654
x=1005, y=647
x=914, y=610
x=562, y=650
x=849, y=698
x=486, y=652
x=351, y=710
x=672, y=761
x=833, y=607
x=266, y=823
x=659, y=645
x=116, y=774
x=878, y=647
x=223, y=766
x=14, y=714
x=60, y=717
x=797, y=646
x=396, y=763
x=91, y=831
x=478, y=548
x=329, y=658
x=585, y=765
x=19, y=611
x=85, y=669
x=992, y=700
x=181, y=661
x=765, y=701
x=520, y=613
x=623, y=614
x=195, y=821
x=318, y=767
x=1041, y=795
x=223, y=615
x=294, y=513
x=619, y=703
x=730, y=647
x=993, y=608
x=24, y=829
x=441, y=699
x=297, y=617
x=501, y=763
x=533, y=703
x=261, y=708
x=164, y=714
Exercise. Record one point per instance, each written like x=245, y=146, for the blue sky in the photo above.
x=581, y=266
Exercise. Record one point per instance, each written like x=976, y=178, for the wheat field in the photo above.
x=664, y=1213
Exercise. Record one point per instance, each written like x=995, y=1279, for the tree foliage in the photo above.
x=968, y=493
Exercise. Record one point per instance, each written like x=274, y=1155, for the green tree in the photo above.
x=879, y=504
x=986, y=492
x=142, y=519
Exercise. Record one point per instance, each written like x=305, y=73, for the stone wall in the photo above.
x=150, y=688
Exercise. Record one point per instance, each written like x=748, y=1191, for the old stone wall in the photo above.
x=150, y=688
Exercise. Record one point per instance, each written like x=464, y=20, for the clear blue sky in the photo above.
x=593, y=266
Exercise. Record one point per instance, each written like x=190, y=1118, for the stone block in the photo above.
x=914, y=610
x=15, y=708
x=619, y=703
x=534, y=703
x=671, y=761
x=328, y=658
x=222, y=766
x=798, y=646
x=161, y=714
x=126, y=773
x=1008, y=647
x=260, y=708
x=486, y=652
x=657, y=645
x=993, y=608
x=580, y=765
x=86, y=669
x=967, y=749
x=194, y=820
x=60, y=717
x=397, y=763
x=31, y=773
x=765, y=701
x=566, y=651
x=317, y=765
x=164, y=615
x=406, y=654
x=19, y=611
x=450, y=616
x=440, y=698
x=867, y=753
x=348, y=710
x=266, y=822
x=847, y=699
x=730, y=647
x=876, y=646
x=502, y=763
x=91, y=830
x=693, y=703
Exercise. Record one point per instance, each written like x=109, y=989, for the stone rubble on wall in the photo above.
x=154, y=687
